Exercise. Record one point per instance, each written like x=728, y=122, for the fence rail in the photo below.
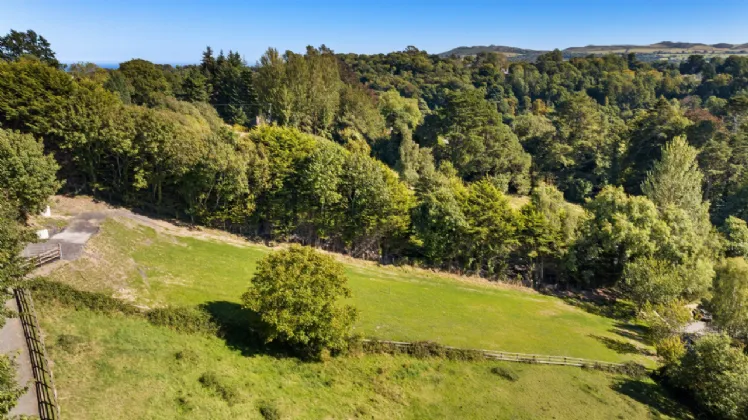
x=45, y=257
x=43, y=381
x=512, y=357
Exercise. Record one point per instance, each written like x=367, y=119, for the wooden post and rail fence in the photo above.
x=413, y=348
x=45, y=257
x=43, y=380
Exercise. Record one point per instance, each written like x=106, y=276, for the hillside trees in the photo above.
x=716, y=374
x=583, y=152
x=149, y=85
x=730, y=297
x=27, y=175
x=18, y=44
x=651, y=130
x=478, y=144
x=227, y=83
x=302, y=91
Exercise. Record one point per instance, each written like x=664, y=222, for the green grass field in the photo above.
x=394, y=303
x=115, y=367
x=118, y=367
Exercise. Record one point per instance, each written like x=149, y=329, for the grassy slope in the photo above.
x=119, y=367
x=394, y=303
x=125, y=368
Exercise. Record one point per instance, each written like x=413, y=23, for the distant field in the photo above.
x=153, y=269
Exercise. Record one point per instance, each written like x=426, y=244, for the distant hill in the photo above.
x=509, y=51
x=662, y=50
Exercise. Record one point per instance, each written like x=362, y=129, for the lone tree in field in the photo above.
x=297, y=294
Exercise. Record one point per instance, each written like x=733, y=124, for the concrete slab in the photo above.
x=13, y=344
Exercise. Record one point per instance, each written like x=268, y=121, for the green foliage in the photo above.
x=149, y=85
x=666, y=320
x=650, y=280
x=302, y=91
x=10, y=390
x=17, y=44
x=736, y=237
x=268, y=410
x=478, y=144
x=296, y=293
x=419, y=349
x=27, y=175
x=729, y=302
x=619, y=229
x=13, y=237
x=716, y=374
x=54, y=292
x=676, y=180
x=183, y=319
x=651, y=130
x=584, y=149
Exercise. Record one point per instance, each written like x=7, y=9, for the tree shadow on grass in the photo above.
x=243, y=330
x=620, y=346
x=653, y=395
x=634, y=332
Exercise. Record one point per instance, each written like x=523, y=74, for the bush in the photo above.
x=184, y=319
x=633, y=369
x=296, y=293
x=50, y=291
x=716, y=375
x=9, y=389
x=420, y=349
x=268, y=410
x=210, y=380
x=505, y=373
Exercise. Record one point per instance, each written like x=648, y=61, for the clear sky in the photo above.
x=110, y=31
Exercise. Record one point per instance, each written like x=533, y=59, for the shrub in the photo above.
x=268, y=410
x=505, y=373
x=633, y=369
x=296, y=293
x=183, y=319
x=49, y=291
x=716, y=375
x=670, y=349
x=9, y=389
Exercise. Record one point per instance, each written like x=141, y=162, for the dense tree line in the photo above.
x=592, y=172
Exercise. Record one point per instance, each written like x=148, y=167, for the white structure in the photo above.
x=43, y=234
x=47, y=212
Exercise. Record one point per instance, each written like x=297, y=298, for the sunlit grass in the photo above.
x=394, y=303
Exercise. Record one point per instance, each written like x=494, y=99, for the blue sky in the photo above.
x=106, y=31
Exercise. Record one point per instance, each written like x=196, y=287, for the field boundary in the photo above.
x=43, y=381
x=430, y=348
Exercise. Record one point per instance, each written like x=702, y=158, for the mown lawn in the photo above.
x=394, y=303
x=122, y=367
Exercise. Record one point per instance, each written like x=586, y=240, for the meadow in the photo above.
x=122, y=367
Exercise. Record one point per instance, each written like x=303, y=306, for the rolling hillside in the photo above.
x=661, y=50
